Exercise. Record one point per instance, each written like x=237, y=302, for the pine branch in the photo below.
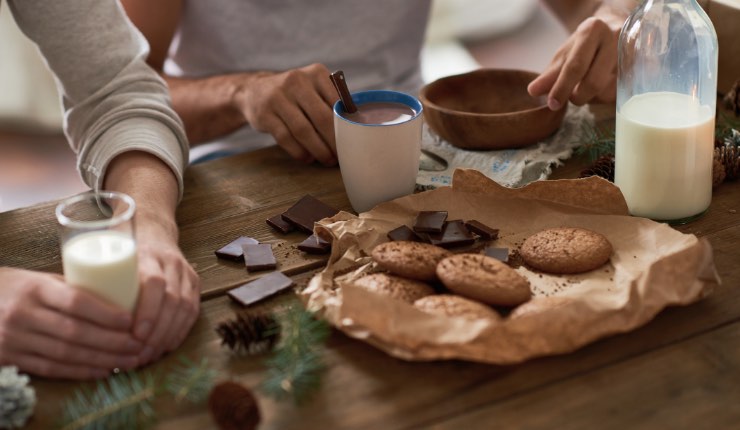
x=122, y=402
x=296, y=366
x=191, y=381
x=595, y=141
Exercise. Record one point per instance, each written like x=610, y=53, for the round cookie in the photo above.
x=413, y=260
x=483, y=278
x=396, y=287
x=566, y=250
x=455, y=306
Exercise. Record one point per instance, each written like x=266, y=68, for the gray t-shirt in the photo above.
x=376, y=42
x=113, y=101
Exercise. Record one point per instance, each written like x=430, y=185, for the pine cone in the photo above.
x=603, y=167
x=718, y=172
x=732, y=98
x=249, y=334
x=234, y=407
x=729, y=157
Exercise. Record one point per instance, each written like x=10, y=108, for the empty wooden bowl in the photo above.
x=488, y=109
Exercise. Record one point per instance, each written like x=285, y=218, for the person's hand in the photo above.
x=584, y=69
x=295, y=107
x=169, y=294
x=51, y=329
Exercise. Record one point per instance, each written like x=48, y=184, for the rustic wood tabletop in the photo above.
x=681, y=370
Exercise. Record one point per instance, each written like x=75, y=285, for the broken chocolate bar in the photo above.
x=259, y=257
x=454, y=233
x=404, y=233
x=233, y=250
x=307, y=211
x=278, y=223
x=430, y=221
x=501, y=254
x=315, y=245
x=261, y=288
x=482, y=230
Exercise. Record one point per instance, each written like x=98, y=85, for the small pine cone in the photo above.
x=729, y=156
x=603, y=167
x=732, y=98
x=718, y=172
x=233, y=407
x=249, y=334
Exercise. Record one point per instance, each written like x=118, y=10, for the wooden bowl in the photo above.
x=488, y=109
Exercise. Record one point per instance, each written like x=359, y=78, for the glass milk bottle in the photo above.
x=666, y=95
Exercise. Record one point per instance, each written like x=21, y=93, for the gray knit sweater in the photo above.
x=113, y=101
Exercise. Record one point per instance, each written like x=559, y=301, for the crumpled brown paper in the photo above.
x=653, y=266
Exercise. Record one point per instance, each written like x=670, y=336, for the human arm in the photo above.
x=118, y=120
x=584, y=69
x=294, y=106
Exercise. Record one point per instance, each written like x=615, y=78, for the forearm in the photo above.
x=207, y=106
x=572, y=12
x=152, y=185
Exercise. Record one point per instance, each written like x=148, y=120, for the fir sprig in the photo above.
x=123, y=401
x=191, y=381
x=595, y=141
x=297, y=364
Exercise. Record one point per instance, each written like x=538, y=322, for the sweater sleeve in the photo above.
x=113, y=101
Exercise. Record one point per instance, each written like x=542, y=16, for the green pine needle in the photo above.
x=595, y=141
x=191, y=381
x=122, y=402
x=296, y=366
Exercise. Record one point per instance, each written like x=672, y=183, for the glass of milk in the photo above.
x=666, y=96
x=98, y=246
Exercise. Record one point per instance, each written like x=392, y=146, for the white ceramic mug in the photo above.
x=379, y=162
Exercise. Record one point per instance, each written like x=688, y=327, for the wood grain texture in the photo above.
x=680, y=370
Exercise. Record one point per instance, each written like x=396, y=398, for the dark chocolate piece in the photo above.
x=430, y=221
x=482, y=230
x=278, y=223
x=254, y=291
x=233, y=250
x=307, y=211
x=259, y=257
x=404, y=233
x=454, y=233
x=315, y=245
x=501, y=254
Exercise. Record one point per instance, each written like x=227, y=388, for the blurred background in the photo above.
x=37, y=165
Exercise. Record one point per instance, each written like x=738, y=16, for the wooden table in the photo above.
x=681, y=370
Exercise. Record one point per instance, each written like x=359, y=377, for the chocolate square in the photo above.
x=482, y=230
x=404, y=233
x=315, y=245
x=254, y=291
x=259, y=257
x=233, y=250
x=501, y=254
x=306, y=211
x=454, y=233
x=430, y=221
x=278, y=223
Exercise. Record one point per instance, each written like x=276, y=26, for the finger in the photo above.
x=67, y=352
x=151, y=295
x=286, y=141
x=169, y=310
x=188, y=309
x=42, y=366
x=305, y=134
x=54, y=324
x=597, y=78
x=609, y=93
x=575, y=67
x=321, y=117
x=542, y=84
x=81, y=304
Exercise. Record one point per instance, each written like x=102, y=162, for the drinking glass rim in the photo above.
x=92, y=225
